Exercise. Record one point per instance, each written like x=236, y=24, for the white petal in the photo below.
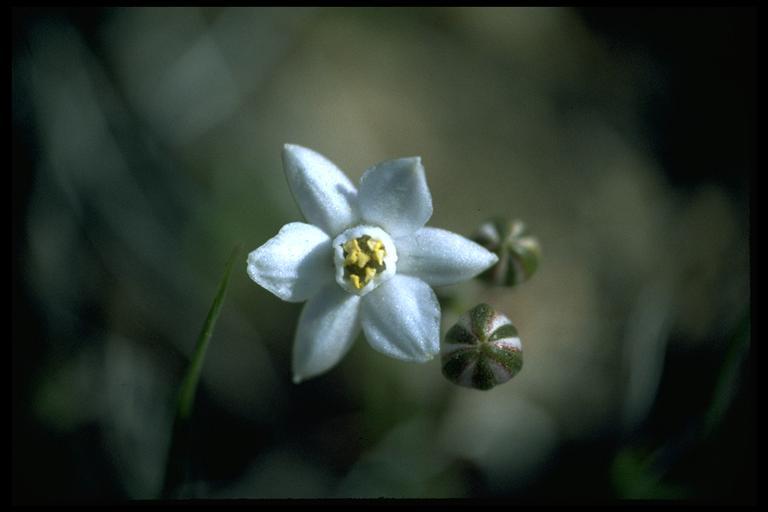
x=295, y=263
x=401, y=318
x=324, y=194
x=328, y=325
x=440, y=257
x=395, y=196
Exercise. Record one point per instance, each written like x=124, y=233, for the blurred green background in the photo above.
x=146, y=144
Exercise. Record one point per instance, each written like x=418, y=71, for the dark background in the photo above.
x=675, y=86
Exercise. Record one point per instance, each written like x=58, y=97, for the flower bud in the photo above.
x=518, y=253
x=482, y=349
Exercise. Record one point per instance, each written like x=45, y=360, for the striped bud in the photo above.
x=482, y=349
x=518, y=253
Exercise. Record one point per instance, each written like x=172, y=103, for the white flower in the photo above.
x=365, y=260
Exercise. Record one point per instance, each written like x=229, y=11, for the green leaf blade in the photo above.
x=192, y=377
x=178, y=453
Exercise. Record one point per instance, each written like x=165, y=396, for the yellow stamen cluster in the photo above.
x=363, y=259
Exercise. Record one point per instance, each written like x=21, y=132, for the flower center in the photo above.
x=365, y=257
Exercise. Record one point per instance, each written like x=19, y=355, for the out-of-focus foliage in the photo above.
x=147, y=143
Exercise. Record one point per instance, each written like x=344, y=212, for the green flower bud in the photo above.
x=518, y=253
x=482, y=349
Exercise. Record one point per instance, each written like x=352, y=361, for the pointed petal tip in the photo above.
x=491, y=259
x=289, y=150
x=394, y=194
x=322, y=191
x=328, y=326
x=441, y=257
x=252, y=272
x=292, y=265
x=415, y=162
x=425, y=357
x=401, y=319
x=294, y=153
x=406, y=163
x=252, y=266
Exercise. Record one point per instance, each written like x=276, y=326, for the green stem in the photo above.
x=177, y=463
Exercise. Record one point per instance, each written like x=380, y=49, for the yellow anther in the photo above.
x=351, y=246
x=363, y=259
x=353, y=252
